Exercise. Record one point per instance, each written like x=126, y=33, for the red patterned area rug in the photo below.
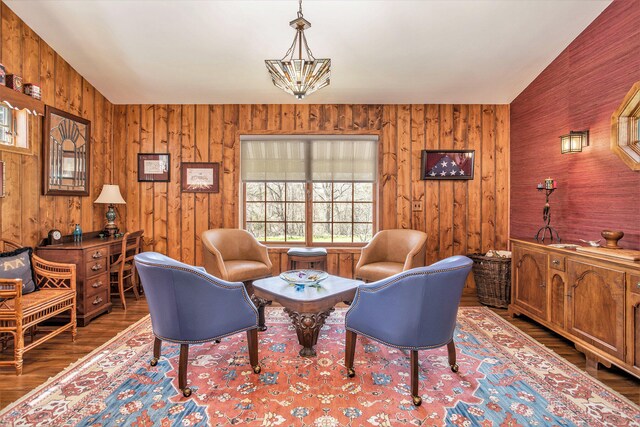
x=505, y=379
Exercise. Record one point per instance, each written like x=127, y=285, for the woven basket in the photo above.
x=493, y=279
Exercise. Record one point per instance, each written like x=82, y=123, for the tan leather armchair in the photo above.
x=391, y=252
x=234, y=255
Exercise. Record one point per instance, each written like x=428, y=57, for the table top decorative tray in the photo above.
x=304, y=277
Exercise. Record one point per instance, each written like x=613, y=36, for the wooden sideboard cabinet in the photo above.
x=589, y=299
x=92, y=257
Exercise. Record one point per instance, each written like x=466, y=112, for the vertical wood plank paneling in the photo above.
x=314, y=117
x=418, y=143
x=30, y=166
x=202, y=199
x=488, y=178
x=460, y=207
x=302, y=117
x=403, y=203
x=389, y=177
x=174, y=120
x=160, y=145
x=25, y=214
x=75, y=101
x=146, y=188
x=502, y=177
x=88, y=112
x=229, y=182
x=432, y=205
x=131, y=187
x=62, y=77
x=288, y=121
x=187, y=207
x=216, y=144
x=119, y=154
x=98, y=156
x=475, y=200
x=446, y=187
x=47, y=82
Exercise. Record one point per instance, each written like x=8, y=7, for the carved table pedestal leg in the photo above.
x=308, y=327
x=260, y=303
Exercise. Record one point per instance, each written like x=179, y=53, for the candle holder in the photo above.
x=546, y=217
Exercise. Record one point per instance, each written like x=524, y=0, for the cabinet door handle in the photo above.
x=97, y=255
x=97, y=301
x=555, y=262
x=97, y=284
x=96, y=267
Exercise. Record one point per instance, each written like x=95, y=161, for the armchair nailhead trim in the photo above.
x=214, y=282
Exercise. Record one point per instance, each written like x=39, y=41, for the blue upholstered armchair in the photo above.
x=413, y=310
x=190, y=306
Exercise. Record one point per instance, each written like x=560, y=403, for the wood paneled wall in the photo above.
x=26, y=215
x=459, y=216
x=579, y=90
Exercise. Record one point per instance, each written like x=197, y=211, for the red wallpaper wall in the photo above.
x=579, y=90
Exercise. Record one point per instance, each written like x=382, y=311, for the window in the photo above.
x=309, y=190
x=13, y=129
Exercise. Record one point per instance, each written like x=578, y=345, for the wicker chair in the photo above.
x=19, y=313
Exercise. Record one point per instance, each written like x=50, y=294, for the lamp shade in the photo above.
x=110, y=195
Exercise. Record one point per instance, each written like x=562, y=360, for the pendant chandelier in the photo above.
x=299, y=76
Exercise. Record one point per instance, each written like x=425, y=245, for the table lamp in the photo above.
x=110, y=195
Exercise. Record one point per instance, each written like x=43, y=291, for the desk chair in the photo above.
x=123, y=267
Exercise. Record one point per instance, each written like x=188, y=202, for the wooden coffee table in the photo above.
x=308, y=306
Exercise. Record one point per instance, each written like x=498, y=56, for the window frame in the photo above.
x=375, y=197
x=18, y=132
x=308, y=223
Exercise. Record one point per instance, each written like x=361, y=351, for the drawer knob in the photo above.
x=96, y=267
x=97, y=284
x=97, y=255
x=97, y=301
x=555, y=262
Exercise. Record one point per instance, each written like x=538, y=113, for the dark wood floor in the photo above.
x=52, y=357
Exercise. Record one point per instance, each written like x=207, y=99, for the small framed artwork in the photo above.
x=153, y=167
x=2, y=178
x=447, y=164
x=66, y=153
x=200, y=177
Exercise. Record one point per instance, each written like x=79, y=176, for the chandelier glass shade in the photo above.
x=304, y=74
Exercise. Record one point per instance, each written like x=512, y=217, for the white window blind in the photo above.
x=309, y=158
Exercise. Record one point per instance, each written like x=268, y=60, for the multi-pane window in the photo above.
x=309, y=191
x=13, y=129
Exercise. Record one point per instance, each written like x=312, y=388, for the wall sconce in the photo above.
x=574, y=141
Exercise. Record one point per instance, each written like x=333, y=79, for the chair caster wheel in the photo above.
x=262, y=328
x=153, y=362
x=186, y=392
x=216, y=341
x=257, y=369
x=417, y=400
x=351, y=372
x=454, y=367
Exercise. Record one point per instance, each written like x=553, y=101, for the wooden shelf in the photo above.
x=20, y=100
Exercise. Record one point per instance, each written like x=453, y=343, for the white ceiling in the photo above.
x=384, y=51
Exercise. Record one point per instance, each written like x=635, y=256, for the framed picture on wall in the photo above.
x=447, y=164
x=65, y=153
x=153, y=167
x=200, y=177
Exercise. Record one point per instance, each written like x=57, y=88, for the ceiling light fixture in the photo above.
x=299, y=76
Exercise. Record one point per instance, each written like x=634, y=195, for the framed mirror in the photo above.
x=66, y=153
x=625, y=129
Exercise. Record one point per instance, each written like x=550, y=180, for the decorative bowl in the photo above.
x=303, y=277
x=612, y=238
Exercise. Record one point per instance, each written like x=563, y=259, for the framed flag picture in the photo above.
x=449, y=164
